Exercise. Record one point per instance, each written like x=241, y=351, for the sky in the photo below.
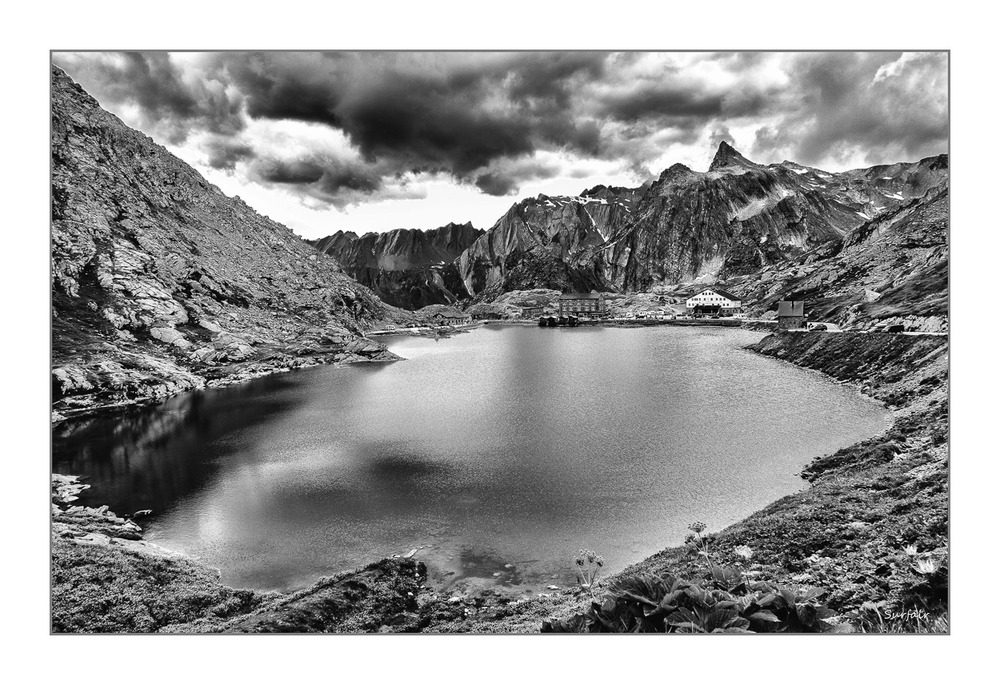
x=372, y=141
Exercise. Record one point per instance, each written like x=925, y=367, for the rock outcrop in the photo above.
x=892, y=269
x=407, y=268
x=547, y=242
x=161, y=283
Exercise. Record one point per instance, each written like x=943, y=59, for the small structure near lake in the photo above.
x=443, y=315
x=531, y=312
x=714, y=302
x=791, y=314
x=581, y=303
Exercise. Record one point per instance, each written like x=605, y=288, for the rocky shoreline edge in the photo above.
x=137, y=378
x=133, y=378
x=870, y=511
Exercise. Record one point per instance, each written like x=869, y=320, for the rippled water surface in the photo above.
x=504, y=450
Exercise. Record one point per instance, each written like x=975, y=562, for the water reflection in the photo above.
x=497, y=452
x=148, y=458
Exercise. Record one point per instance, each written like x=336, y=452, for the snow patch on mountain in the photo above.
x=755, y=207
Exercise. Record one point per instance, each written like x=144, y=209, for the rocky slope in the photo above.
x=734, y=219
x=892, y=269
x=161, y=283
x=407, y=268
x=547, y=242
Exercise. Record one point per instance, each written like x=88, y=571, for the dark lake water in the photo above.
x=504, y=450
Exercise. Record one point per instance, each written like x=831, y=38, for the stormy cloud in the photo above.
x=505, y=177
x=360, y=127
x=171, y=103
x=893, y=106
x=224, y=153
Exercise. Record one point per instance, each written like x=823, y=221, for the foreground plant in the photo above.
x=666, y=604
x=726, y=603
x=589, y=566
x=699, y=542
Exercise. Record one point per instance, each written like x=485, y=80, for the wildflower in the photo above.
x=911, y=550
x=590, y=564
x=697, y=527
x=744, y=552
x=925, y=566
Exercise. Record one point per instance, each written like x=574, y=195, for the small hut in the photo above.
x=791, y=314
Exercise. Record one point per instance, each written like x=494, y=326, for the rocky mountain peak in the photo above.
x=675, y=171
x=727, y=156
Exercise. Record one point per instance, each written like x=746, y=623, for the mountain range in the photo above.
x=162, y=283
x=735, y=219
x=407, y=268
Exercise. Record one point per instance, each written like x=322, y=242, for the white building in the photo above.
x=714, y=301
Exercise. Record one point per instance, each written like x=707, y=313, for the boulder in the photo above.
x=169, y=336
x=71, y=380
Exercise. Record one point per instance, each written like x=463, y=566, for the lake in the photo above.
x=504, y=450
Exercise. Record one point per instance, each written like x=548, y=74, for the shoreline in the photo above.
x=361, y=350
x=428, y=609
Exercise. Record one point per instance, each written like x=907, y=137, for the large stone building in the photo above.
x=791, y=314
x=714, y=302
x=581, y=303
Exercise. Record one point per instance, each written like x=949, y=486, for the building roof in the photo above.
x=791, y=308
x=448, y=313
x=580, y=296
x=725, y=293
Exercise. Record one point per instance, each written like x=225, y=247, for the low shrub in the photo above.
x=726, y=604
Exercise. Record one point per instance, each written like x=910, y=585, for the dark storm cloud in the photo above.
x=656, y=103
x=484, y=119
x=548, y=76
x=295, y=171
x=335, y=181
x=496, y=184
x=168, y=105
x=224, y=153
x=507, y=176
x=339, y=178
x=450, y=112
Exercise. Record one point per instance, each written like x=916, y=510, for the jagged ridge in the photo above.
x=405, y=267
x=737, y=218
